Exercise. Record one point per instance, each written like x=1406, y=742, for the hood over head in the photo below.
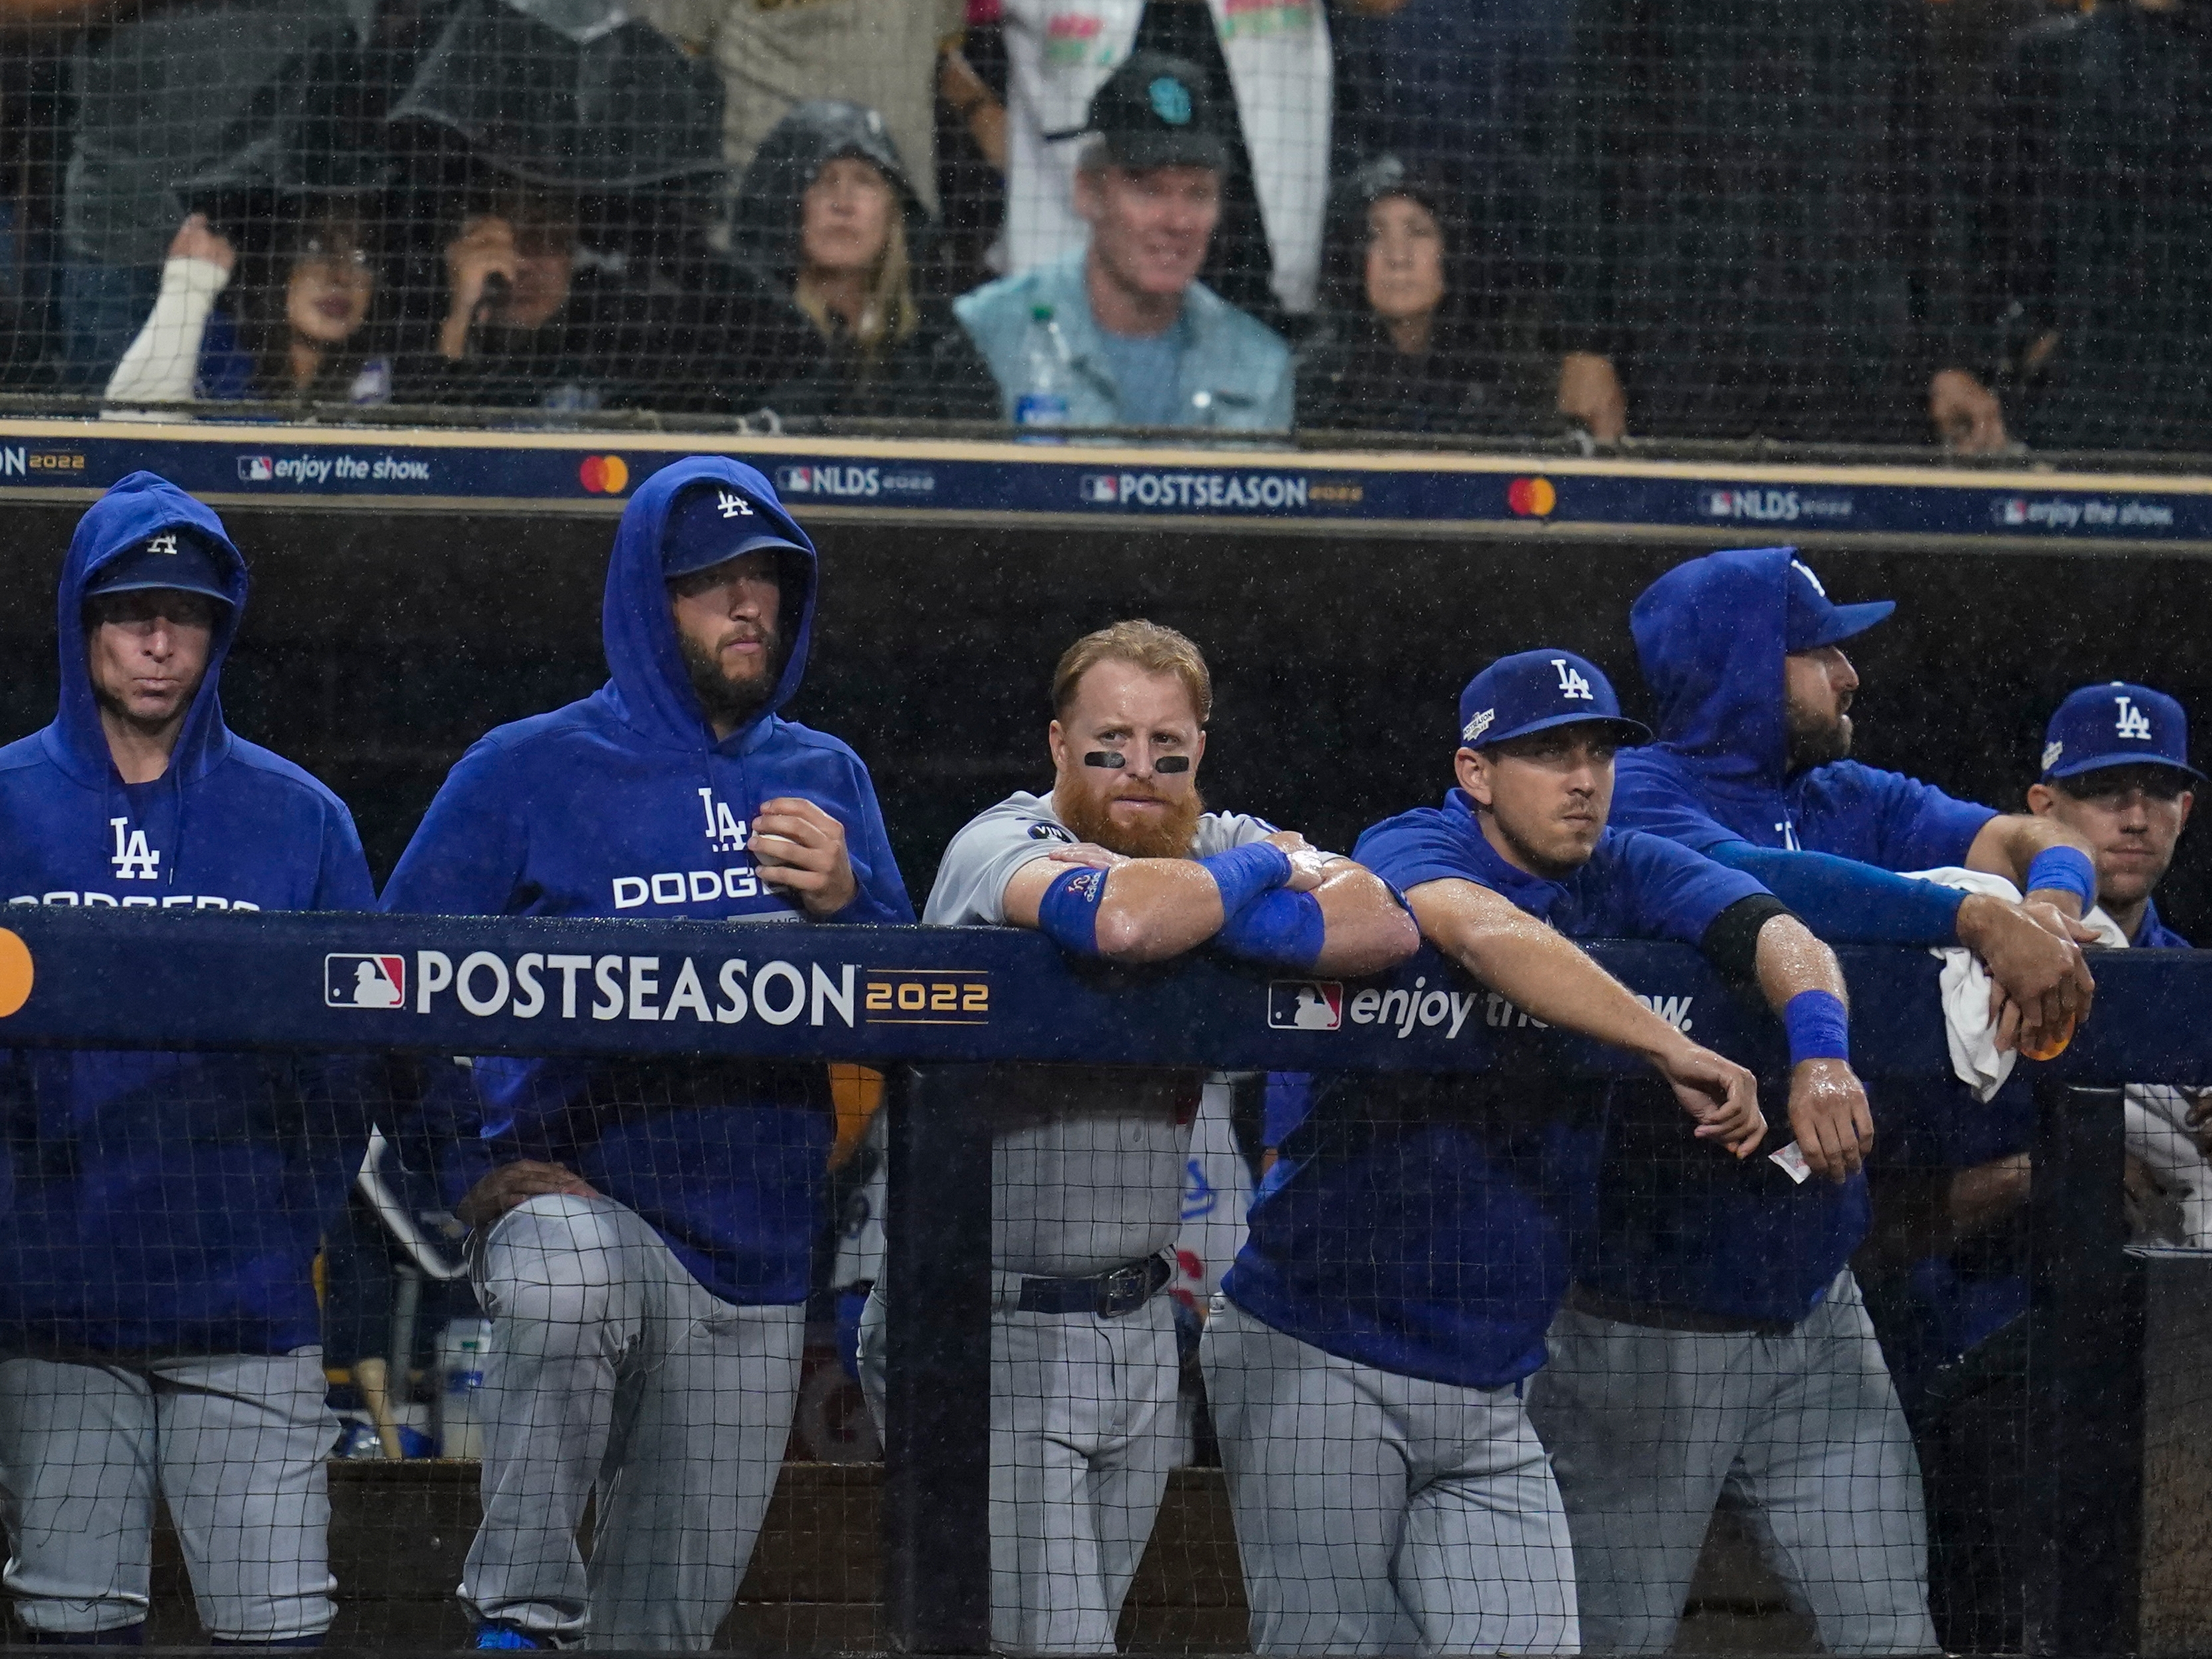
x=119, y=525
x=1711, y=635
x=1344, y=250
x=765, y=228
x=576, y=95
x=650, y=680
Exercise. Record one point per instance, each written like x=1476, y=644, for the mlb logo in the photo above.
x=1101, y=486
x=795, y=480
x=360, y=981
x=1304, y=1005
x=1720, y=504
x=257, y=469
x=2016, y=510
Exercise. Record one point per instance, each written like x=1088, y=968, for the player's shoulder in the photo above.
x=24, y=753
x=270, y=770
x=1020, y=816
x=1217, y=832
x=812, y=739
x=1850, y=780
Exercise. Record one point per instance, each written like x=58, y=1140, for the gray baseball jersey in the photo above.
x=1086, y=1167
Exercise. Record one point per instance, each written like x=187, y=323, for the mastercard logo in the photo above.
x=1531, y=498
x=15, y=972
x=603, y=474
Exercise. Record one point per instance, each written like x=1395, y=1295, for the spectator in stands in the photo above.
x=1146, y=343
x=1265, y=64
x=573, y=275
x=2093, y=263
x=883, y=55
x=157, y=98
x=1403, y=343
x=300, y=326
x=1749, y=232
x=159, y=1333
x=830, y=217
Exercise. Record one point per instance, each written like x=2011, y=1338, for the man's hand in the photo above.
x=1718, y=1093
x=485, y=249
x=196, y=238
x=2041, y=988
x=1590, y=392
x=1307, y=860
x=800, y=849
x=1966, y=415
x=1828, y=1116
x=1088, y=853
x=516, y=1183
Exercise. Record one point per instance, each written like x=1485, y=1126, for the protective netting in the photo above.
x=1884, y=222
x=241, y=1399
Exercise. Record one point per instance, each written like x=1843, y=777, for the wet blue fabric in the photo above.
x=1424, y=1227
x=1711, y=635
x=167, y=1201
x=625, y=804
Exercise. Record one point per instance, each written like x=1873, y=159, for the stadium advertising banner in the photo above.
x=967, y=482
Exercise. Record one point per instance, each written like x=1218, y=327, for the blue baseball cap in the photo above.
x=1814, y=620
x=2116, y=724
x=1535, y=690
x=175, y=558
x=712, y=522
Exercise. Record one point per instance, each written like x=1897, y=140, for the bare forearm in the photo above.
x=1791, y=961
x=1367, y=929
x=1155, y=908
x=1539, y=970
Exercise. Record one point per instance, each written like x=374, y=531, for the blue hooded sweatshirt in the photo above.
x=1711, y=635
x=624, y=804
x=152, y=1201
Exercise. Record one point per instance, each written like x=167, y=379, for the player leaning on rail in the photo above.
x=643, y=1232
x=1367, y=1357
x=158, y=1326
x=1121, y=862
x=1714, y=1317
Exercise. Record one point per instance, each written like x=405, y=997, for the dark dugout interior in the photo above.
x=377, y=647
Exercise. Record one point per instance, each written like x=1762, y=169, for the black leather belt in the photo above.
x=1109, y=1295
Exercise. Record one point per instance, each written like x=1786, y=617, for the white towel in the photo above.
x=1967, y=1030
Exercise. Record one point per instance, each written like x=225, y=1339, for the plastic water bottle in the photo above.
x=461, y=1348
x=1045, y=373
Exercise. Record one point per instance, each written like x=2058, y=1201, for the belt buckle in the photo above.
x=1122, y=1290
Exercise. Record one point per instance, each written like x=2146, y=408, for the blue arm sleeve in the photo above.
x=1847, y=902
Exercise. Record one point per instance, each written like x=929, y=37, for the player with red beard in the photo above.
x=1121, y=862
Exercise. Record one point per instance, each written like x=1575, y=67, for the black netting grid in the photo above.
x=1892, y=222
x=244, y=1396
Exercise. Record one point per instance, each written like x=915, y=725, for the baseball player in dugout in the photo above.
x=641, y=1232
x=1367, y=1357
x=1715, y=1337
x=158, y=1326
x=1120, y=862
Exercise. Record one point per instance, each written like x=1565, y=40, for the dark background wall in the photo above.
x=376, y=650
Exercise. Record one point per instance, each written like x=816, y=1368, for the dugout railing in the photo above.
x=927, y=1004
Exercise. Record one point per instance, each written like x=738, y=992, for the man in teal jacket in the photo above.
x=1145, y=343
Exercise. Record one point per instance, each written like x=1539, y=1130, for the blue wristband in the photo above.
x=1067, y=910
x=1280, y=926
x=2064, y=869
x=1243, y=873
x=1819, y=1028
